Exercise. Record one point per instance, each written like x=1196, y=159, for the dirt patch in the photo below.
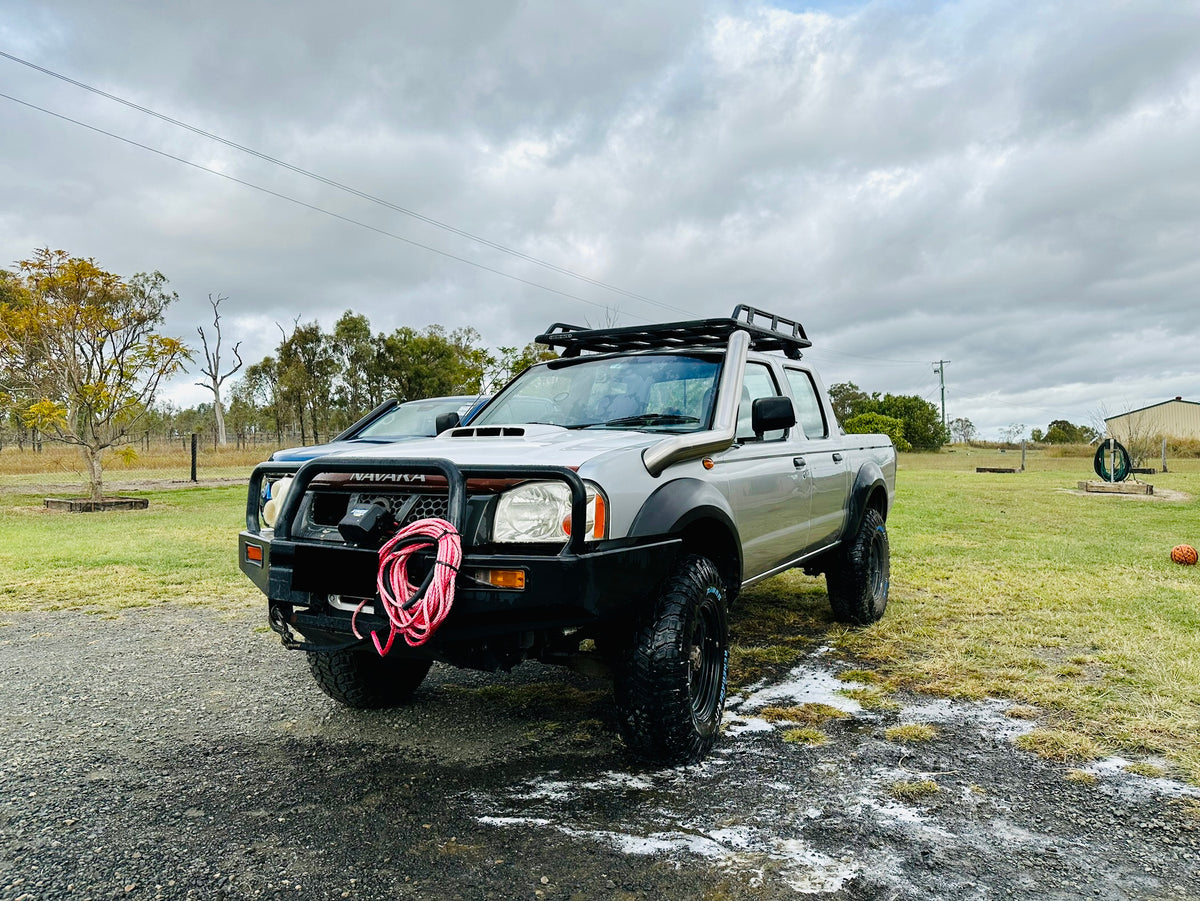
x=181, y=751
x=118, y=485
x=1160, y=494
x=86, y=505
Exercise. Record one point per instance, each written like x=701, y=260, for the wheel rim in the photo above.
x=705, y=663
x=877, y=572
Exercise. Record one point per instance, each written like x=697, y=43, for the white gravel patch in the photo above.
x=806, y=684
x=988, y=716
x=1116, y=780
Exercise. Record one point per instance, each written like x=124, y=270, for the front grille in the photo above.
x=427, y=506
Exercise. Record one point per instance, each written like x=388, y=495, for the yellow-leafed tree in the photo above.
x=80, y=352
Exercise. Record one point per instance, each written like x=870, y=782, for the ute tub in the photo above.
x=578, y=585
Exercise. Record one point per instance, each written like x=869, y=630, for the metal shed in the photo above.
x=1176, y=418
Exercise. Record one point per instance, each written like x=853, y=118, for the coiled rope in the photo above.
x=415, y=611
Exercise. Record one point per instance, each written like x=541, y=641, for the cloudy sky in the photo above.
x=1011, y=187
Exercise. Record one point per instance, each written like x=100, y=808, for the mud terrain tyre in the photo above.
x=360, y=678
x=671, y=679
x=861, y=571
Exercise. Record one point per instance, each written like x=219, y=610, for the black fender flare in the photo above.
x=867, y=481
x=675, y=506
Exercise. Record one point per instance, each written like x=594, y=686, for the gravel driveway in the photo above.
x=180, y=752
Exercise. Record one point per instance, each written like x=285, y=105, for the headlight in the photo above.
x=541, y=511
x=278, y=491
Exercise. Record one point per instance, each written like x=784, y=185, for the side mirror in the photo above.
x=446, y=421
x=771, y=414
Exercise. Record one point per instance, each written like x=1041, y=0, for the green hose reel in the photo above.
x=1112, y=462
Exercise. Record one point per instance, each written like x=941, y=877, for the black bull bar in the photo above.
x=456, y=481
x=574, y=586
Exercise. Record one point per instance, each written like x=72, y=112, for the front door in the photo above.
x=766, y=482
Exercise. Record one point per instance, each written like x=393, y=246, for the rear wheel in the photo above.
x=671, y=682
x=859, y=575
x=358, y=677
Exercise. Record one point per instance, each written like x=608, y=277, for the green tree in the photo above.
x=307, y=369
x=922, y=422
x=433, y=362
x=257, y=400
x=923, y=427
x=80, y=351
x=849, y=400
x=360, y=379
x=474, y=360
x=512, y=361
x=876, y=424
x=963, y=430
x=1060, y=431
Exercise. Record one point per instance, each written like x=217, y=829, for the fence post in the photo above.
x=193, y=456
x=1022, y=455
x=1164, y=455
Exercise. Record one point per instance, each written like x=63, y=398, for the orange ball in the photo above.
x=1185, y=554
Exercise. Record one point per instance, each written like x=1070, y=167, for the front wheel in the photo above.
x=670, y=685
x=360, y=678
x=860, y=573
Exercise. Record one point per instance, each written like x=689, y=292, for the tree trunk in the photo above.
x=312, y=408
x=95, y=473
x=219, y=410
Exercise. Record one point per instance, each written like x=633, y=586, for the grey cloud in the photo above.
x=1014, y=192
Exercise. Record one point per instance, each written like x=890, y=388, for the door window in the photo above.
x=809, y=414
x=758, y=382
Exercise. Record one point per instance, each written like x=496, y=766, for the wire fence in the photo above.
x=161, y=459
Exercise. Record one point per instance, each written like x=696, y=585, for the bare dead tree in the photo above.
x=1141, y=435
x=212, y=366
x=610, y=320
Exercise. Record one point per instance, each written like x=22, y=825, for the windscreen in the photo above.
x=667, y=392
x=415, y=418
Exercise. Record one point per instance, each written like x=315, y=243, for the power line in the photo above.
x=881, y=360
x=311, y=206
x=342, y=187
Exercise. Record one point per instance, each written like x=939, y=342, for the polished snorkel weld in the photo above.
x=678, y=448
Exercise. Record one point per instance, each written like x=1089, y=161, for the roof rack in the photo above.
x=775, y=333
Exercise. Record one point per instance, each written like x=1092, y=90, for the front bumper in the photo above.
x=581, y=585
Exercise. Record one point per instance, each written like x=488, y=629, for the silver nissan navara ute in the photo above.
x=604, y=507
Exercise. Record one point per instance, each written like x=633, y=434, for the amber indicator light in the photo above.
x=507, y=578
x=254, y=554
x=512, y=579
x=707, y=463
x=599, y=524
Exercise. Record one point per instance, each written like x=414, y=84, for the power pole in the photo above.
x=940, y=368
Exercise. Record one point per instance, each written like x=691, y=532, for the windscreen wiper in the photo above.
x=652, y=419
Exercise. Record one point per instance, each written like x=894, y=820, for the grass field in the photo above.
x=1003, y=585
x=1016, y=586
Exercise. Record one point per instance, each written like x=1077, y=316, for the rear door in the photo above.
x=825, y=459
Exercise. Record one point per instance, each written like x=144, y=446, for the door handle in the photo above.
x=837, y=458
x=799, y=462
